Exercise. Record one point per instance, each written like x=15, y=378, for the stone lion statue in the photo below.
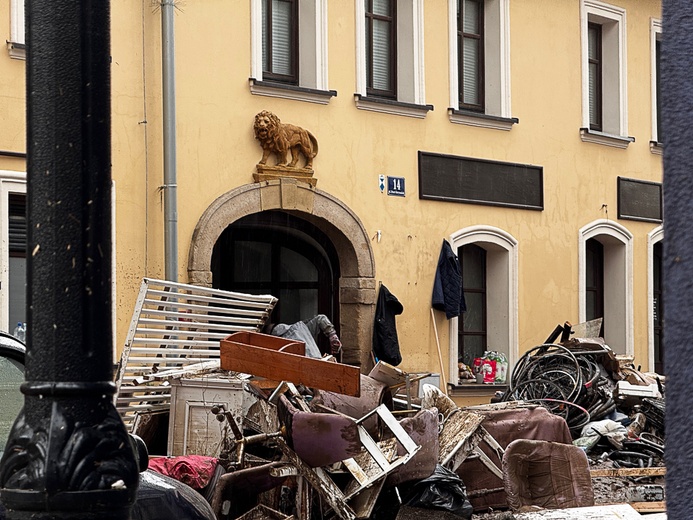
x=280, y=138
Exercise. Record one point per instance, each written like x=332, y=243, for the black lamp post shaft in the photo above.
x=68, y=455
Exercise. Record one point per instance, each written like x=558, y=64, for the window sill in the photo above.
x=617, y=141
x=17, y=50
x=476, y=389
x=466, y=117
x=656, y=148
x=279, y=90
x=388, y=106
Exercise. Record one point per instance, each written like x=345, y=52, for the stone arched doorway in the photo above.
x=357, y=290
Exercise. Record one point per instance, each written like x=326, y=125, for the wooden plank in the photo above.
x=261, y=355
x=649, y=507
x=629, y=472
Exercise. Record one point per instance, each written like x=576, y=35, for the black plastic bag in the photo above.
x=442, y=490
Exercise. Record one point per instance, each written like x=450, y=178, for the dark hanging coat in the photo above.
x=448, y=294
x=385, y=342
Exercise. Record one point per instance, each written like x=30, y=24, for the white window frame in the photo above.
x=655, y=35
x=501, y=291
x=614, y=83
x=653, y=237
x=10, y=182
x=411, y=89
x=312, y=54
x=618, y=281
x=17, y=43
x=496, y=67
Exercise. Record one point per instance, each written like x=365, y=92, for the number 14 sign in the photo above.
x=395, y=186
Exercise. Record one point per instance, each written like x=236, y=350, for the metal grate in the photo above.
x=175, y=326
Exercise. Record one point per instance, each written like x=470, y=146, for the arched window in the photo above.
x=606, y=254
x=488, y=258
x=276, y=253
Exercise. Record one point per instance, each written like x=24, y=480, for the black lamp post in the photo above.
x=68, y=455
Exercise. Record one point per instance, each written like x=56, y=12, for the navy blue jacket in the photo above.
x=448, y=293
x=385, y=341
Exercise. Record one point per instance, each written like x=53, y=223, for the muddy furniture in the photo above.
x=319, y=439
x=550, y=475
x=506, y=425
x=193, y=428
x=280, y=359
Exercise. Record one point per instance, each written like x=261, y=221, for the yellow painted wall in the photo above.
x=217, y=152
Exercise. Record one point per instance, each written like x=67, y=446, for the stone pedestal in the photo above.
x=269, y=173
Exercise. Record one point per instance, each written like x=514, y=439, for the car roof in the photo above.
x=11, y=347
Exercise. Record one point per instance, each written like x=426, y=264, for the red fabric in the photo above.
x=194, y=470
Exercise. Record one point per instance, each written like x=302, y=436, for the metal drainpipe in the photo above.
x=169, y=100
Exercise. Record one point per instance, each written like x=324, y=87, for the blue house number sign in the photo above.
x=395, y=186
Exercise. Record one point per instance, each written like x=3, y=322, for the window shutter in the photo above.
x=381, y=55
x=471, y=53
x=471, y=71
x=17, y=223
x=594, y=58
x=281, y=37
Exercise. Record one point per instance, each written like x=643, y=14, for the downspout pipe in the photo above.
x=169, y=119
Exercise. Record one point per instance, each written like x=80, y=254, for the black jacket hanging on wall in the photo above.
x=448, y=293
x=385, y=342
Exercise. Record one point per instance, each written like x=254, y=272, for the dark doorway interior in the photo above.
x=277, y=253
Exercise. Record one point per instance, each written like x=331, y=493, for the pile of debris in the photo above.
x=264, y=432
x=382, y=448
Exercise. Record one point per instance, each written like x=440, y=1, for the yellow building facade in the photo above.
x=523, y=133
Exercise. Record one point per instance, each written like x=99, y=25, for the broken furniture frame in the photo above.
x=175, y=326
x=395, y=378
x=380, y=458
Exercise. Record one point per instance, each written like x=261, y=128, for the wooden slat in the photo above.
x=170, y=341
x=175, y=326
x=172, y=298
x=259, y=355
x=629, y=472
x=649, y=507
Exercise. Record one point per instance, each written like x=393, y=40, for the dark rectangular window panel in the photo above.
x=381, y=48
x=280, y=41
x=470, y=51
x=658, y=54
x=472, y=326
x=639, y=200
x=594, y=46
x=17, y=224
x=478, y=181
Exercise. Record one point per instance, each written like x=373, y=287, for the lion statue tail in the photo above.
x=314, y=144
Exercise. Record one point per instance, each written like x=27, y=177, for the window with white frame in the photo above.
x=655, y=44
x=604, y=99
x=390, y=57
x=17, y=43
x=289, y=49
x=488, y=258
x=604, y=285
x=479, y=49
x=13, y=235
